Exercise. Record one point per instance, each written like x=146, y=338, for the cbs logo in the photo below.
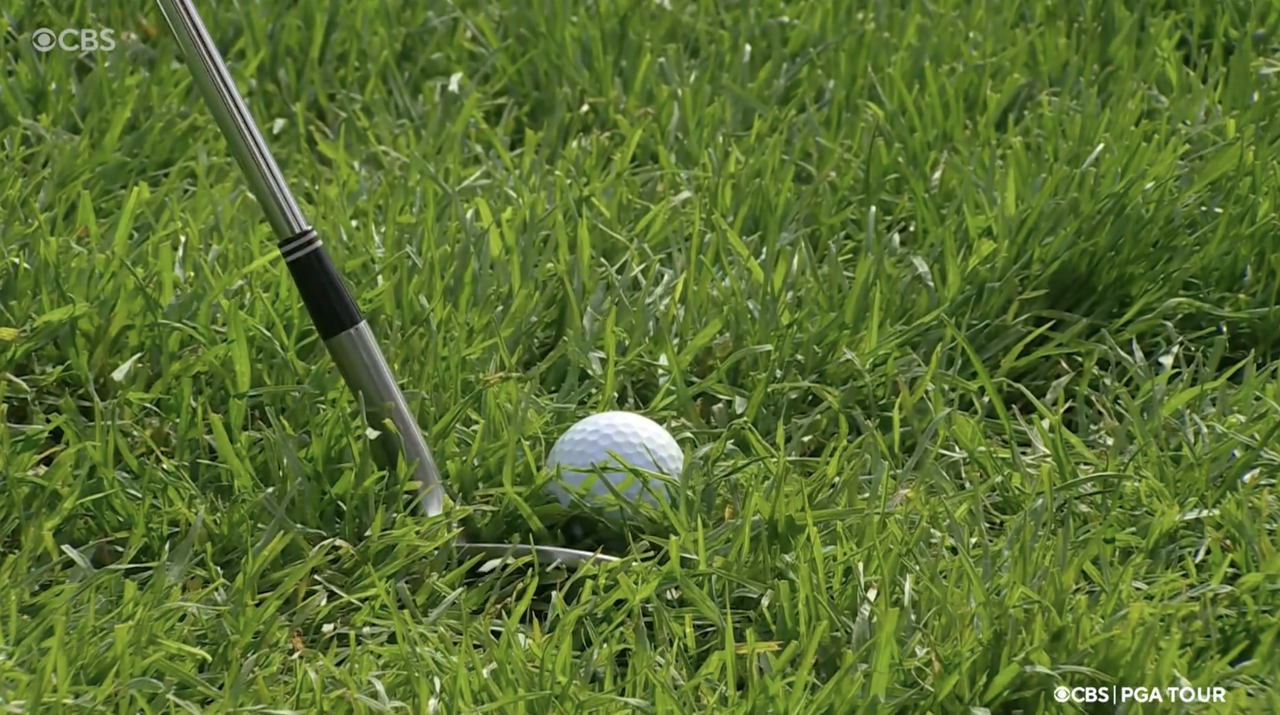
x=74, y=39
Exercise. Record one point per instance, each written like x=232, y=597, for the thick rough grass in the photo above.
x=966, y=313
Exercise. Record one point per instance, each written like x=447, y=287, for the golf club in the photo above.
x=330, y=304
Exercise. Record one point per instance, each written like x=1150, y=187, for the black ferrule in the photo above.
x=328, y=301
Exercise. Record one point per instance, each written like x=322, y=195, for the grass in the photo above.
x=965, y=312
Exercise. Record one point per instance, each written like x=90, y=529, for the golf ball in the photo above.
x=590, y=444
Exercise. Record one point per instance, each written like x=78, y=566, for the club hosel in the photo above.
x=366, y=372
x=363, y=367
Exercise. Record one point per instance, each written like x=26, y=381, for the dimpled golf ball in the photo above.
x=587, y=447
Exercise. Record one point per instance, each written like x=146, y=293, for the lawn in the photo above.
x=966, y=313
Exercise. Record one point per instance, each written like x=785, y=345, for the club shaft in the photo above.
x=337, y=318
x=228, y=108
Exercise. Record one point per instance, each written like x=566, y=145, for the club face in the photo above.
x=537, y=581
x=549, y=557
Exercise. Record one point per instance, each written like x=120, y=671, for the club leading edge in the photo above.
x=329, y=303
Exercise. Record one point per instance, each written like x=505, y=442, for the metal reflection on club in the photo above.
x=546, y=555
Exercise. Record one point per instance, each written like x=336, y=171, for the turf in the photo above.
x=965, y=312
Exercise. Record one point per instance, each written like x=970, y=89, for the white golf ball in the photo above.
x=586, y=447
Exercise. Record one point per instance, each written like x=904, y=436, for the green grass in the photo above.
x=966, y=313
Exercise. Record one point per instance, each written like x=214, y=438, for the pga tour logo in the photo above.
x=74, y=39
